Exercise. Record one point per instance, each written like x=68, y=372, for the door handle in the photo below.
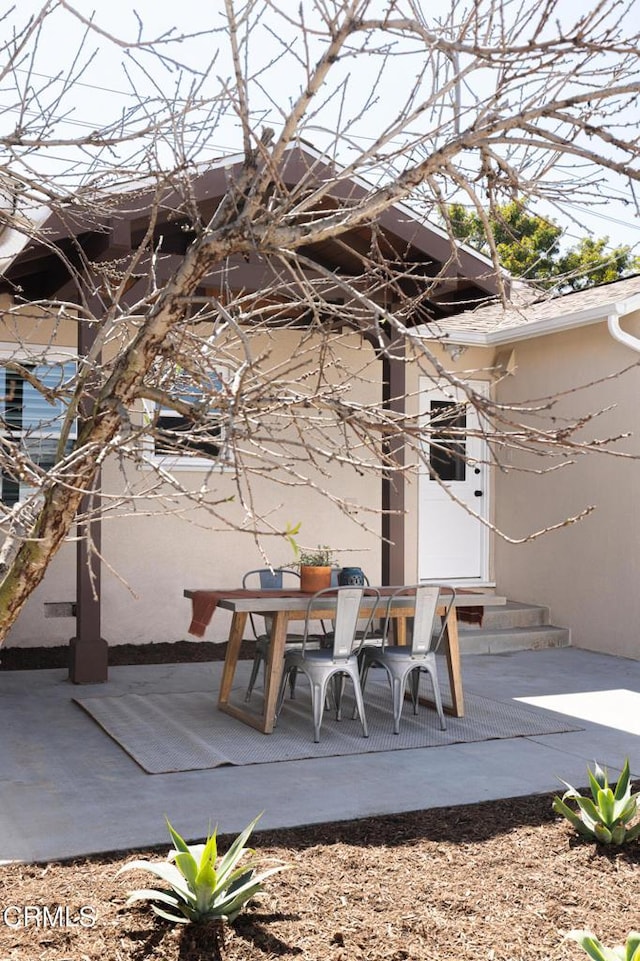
x=477, y=493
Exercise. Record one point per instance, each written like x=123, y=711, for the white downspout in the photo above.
x=622, y=336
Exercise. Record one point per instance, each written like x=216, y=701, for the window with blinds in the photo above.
x=32, y=420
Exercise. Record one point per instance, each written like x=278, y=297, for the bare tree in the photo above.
x=176, y=289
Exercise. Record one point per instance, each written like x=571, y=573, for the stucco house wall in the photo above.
x=158, y=556
x=151, y=557
x=588, y=572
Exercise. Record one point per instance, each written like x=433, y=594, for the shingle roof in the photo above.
x=530, y=309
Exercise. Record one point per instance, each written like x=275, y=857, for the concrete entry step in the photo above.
x=513, y=627
x=511, y=615
x=488, y=641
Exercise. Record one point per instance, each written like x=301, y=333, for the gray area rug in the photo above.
x=172, y=732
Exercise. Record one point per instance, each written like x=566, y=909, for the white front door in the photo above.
x=453, y=544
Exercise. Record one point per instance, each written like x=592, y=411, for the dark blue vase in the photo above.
x=351, y=577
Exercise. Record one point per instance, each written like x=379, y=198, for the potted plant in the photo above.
x=315, y=569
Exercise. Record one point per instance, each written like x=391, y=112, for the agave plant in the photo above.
x=201, y=885
x=605, y=816
x=624, y=952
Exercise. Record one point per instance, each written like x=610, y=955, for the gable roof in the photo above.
x=441, y=284
x=530, y=315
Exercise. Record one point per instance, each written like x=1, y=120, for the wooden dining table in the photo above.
x=281, y=607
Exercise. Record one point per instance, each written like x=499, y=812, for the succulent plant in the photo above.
x=625, y=952
x=200, y=885
x=606, y=815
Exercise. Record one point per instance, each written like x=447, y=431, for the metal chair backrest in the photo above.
x=334, y=583
x=268, y=579
x=425, y=637
x=345, y=620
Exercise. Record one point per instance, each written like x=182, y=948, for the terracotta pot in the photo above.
x=314, y=579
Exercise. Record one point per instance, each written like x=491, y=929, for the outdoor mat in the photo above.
x=172, y=732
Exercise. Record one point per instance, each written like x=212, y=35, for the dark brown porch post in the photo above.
x=393, y=518
x=88, y=652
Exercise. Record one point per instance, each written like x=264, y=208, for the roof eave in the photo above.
x=543, y=327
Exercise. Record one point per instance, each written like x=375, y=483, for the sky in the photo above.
x=105, y=73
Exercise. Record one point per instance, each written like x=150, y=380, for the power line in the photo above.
x=600, y=216
x=76, y=83
x=88, y=125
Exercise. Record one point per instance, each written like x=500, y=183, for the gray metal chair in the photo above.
x=268, y=579
x=404, y=662
x=336, y=662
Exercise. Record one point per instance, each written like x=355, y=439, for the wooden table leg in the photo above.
x=400, y=630
x=264, y=722
x=454, y=665
x=275, y=663
x=454, y=669
x=236, y=633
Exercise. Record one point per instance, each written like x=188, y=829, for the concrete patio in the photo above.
x=67, y=789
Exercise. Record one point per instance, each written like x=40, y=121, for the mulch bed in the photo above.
x=498, y=881
x=38, y=658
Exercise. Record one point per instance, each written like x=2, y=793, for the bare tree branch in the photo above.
x=318, y=123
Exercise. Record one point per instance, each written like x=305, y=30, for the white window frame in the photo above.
x=33, y=355
x=187, y=462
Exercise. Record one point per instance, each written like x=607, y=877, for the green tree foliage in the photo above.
x=529, y=246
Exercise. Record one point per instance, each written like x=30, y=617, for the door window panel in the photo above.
x=447, y=447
